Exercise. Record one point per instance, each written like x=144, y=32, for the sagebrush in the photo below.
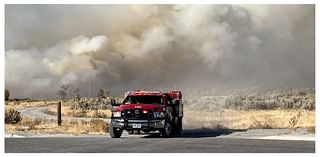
x=12, y=116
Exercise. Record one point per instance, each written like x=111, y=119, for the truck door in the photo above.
x=169, y=109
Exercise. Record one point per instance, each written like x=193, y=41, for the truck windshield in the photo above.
x=143, y=100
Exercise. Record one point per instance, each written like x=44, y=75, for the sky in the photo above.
x=127, y=47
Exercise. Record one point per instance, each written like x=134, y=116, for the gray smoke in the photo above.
x=122, y=47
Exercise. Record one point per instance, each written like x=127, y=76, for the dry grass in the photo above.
x=243, y=99
x=25, y=124
x=30, y=123
x=94, y=126
x=25, y=104
x=219, y=118
x=311, y=129
x=66, y=111
x=38, y=125
x=235, y=119
x=76, y=113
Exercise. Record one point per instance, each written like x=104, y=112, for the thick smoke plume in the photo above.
x=157, y=47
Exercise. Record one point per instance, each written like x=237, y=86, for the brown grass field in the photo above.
x=251, y=119
x=68, y=112
x=25, y=104
x=223, y=118
x=37, y=126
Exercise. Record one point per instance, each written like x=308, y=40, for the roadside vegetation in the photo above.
x=38, y=126
x=69, y=110
x=72, y=106
x=12, y=116
x=279, y=108
x=255, y=100
x=250, y=119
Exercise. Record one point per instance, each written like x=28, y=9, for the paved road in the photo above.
x=192, y=141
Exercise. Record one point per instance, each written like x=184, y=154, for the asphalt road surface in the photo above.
x=192, y=141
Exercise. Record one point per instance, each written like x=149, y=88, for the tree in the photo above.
x=6, y=94
x=68, y=91
x=62, y=94
x=76, y=93
x=101, y=93
x=107, y=93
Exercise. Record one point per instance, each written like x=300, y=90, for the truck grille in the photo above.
x=136, y=114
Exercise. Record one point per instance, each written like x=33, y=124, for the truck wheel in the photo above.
x=114, y=133
x=167, y=131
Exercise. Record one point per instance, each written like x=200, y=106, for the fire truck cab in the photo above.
x=148, y=111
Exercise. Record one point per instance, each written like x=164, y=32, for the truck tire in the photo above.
x=167, y=131
x=114, y=133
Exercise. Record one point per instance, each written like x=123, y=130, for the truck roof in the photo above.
x=173, y=94
x=143, y=92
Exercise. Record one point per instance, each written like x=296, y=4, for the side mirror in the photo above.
x=176, y=102
x=113, y=102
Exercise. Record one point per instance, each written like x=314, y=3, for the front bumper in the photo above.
x=145, y=124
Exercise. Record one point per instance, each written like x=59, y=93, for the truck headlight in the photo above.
x=158, y=114
x=116, y=114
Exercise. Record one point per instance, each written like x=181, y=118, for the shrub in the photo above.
x=266, y=123
x=101, y=93
x=97, y=125
x=294, y=120
x=12, y=116
x=92, y=126
x=77, y=113
x=98, y=114
x=264, y=100
x=29, y=123
x=91, y=104
x=311, y=129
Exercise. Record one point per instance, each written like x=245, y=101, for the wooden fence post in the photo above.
x=59, y=113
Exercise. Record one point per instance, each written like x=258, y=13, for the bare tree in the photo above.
x=103, y=93
x=76, y=93
x=68, y=91
x=107, y=92
x=62, y=93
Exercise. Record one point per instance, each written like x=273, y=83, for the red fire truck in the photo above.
x=148, y=111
